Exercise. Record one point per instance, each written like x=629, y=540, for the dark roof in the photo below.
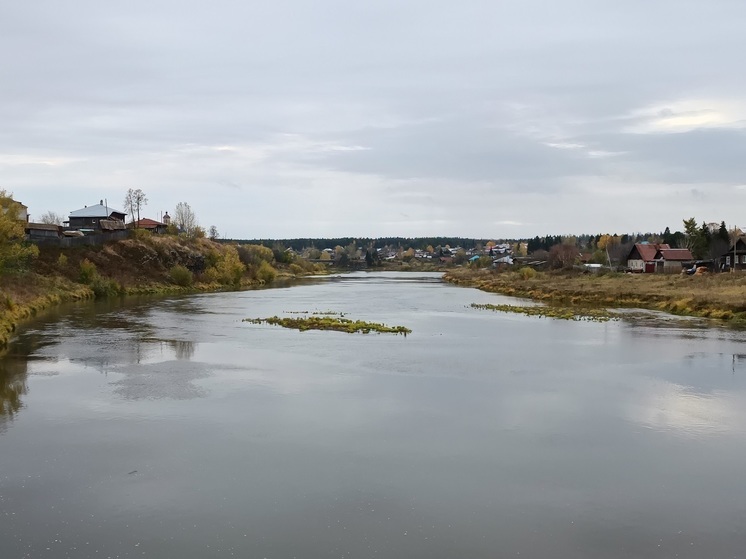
x=43, y=226
x=674, y=254
x=111, y=225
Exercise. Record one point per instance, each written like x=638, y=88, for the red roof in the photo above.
x=675, y=254
x=648, y=250
x=146, y=223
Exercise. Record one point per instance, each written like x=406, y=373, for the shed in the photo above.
x=671, y=260
x=43, y=231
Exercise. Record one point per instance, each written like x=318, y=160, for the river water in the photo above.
x=169, y=428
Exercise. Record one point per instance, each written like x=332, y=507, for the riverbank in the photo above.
x=143, y=264
x=718, y=296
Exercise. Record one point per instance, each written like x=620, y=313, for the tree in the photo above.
x=134, y=201
x=562, y=256
x=185, y=219
x=213, y=234
x=14, y=253
x=51, y=218
x=723, y=232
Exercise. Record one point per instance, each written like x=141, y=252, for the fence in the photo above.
x=88, y=240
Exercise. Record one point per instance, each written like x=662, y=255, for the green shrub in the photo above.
x=211, y=275
x=104, y=287
x=181, y=276
x=88, y=272
x=266, y=273
x=527, y=273
x=296, y=269
x=229, y=267
x=62, y=261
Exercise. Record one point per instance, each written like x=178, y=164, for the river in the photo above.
x=170, y=428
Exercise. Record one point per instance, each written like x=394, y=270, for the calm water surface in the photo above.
x=171, y=429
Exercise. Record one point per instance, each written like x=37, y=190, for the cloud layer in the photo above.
x=331, y=118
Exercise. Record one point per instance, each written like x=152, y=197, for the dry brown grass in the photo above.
x=721, y=296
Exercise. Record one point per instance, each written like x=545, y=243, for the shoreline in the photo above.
x=717, y=296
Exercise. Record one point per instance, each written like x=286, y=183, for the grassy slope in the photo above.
x=721, y=296
x=138, y=266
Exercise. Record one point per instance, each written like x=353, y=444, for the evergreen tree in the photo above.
x=723, y=233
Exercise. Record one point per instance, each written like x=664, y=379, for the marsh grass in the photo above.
x=564, y=313
x=329, y=323
x=718, y=296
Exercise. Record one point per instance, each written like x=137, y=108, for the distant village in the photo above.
x=712, y=251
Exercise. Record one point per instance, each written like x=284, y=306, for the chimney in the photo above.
x=101, y=203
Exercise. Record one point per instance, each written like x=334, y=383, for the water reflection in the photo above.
x=682, y=410
x=13, y=372
x=478, y=433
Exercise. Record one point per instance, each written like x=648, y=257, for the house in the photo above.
x=149, y=225
x=735, y=258
x=672, y=260
x=89, y=219
x=43, y=231
x=21, y=210
x=642, y=256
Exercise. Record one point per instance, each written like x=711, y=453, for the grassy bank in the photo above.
x=143, y=264
x=719, y=296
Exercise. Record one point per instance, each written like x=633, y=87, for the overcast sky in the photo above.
x=292, y=118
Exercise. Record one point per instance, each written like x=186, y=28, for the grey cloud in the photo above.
x=445, y=96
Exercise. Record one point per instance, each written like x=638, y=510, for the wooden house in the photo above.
x=89, y=219
x=149, y=225
x=642, y=256
x=735, y=258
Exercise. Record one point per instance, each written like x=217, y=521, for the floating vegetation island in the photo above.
x=330, y=323
x=564, y=313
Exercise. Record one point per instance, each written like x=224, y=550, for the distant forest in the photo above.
x=708, y=240
x=379, y=242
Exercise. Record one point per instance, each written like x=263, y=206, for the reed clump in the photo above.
x=330, y=323
x=564, y=313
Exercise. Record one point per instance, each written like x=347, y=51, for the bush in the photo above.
x=181, y=276
x=88, y=272
x=230, y=268
x=266, y=273
x=527, y=273
x=253, y=255
x=104, y=287
x=141, y=234
x=62, y=261
x=211, y=275
x=296, y=269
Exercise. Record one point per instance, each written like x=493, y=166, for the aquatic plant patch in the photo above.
x=329, y=323
x=564, y=313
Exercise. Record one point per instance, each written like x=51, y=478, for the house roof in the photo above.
x=146, y=223
x=43, y=226
x=682, y=254
x=111, y=225
x=98, y=210
x=649, y=250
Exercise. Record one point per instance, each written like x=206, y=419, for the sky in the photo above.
x=290, y=118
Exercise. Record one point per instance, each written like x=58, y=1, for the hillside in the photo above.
x=142, y=264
